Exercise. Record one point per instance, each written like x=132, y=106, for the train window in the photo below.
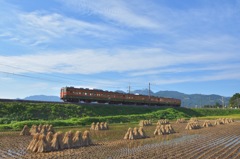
x=85, y=93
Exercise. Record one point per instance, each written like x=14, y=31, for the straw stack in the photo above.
x=33, y=141
x=67, y=140
x=25, y=131
x=43, y=130
x=77, y=139
x=92, y=126
x=86, y=138
x=181, y=120
x=42, y=145
x=164, y=129
x=163, y=122
x=142, y=132
x=49, y=137
x=192, y=125
x=143, y=123
x=51, y=129
x=99, y=126
x=34, y=130
x=136, y=133
x=56, y=142
x=169, y=129
x=207, y=123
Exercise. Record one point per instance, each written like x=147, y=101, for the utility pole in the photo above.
x=238, y=102
x=129, y=89
x=149, y=95
x=200, y=100
x=149, y=90
x=222, y=100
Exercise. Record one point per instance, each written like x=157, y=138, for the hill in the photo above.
x=189, y=100
x=195, y=100
x=44, y=98
x=14, y=115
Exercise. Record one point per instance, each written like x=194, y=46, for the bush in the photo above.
x=5, y=121
x=5, y=127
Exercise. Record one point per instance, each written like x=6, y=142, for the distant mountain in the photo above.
x=143, y=92
x=191, y=100
x=188, y=100
x=170, y=94
x=44, y=98
x=120, y=91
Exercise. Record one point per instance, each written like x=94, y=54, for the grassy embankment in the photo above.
x=14, y=115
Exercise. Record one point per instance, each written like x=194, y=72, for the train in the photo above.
x=76, y=95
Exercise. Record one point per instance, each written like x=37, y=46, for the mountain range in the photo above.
x=188, y=100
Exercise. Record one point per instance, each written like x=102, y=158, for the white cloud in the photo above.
x=37, y=28
x=99, y=61
x=214, y=76
x=180, y=69
x=121, y=12
x=6, y=78
x=163, y=40
x=155, y=15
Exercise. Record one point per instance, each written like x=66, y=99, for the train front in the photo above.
x=63, y=93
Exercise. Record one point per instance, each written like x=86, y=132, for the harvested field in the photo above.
x=218, y=141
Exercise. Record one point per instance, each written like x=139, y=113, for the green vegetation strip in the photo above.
x=233, y=116
x=14, y=115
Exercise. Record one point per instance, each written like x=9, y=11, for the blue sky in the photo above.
x=190, y=46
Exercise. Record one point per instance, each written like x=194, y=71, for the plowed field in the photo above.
x=221, y=141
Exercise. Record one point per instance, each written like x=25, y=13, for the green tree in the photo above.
x=235, y=100
x=217, y=104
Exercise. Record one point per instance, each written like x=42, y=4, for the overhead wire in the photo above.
x=27, y=76
x=50, y=75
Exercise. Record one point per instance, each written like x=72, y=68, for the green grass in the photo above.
x=14, y=115
x=234, y=116
x=169, y=113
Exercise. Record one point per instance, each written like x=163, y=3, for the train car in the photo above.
x=71, y=94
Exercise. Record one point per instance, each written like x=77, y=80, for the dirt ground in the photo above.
x=221, y=141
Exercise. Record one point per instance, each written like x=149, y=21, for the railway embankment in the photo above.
x=14, y=115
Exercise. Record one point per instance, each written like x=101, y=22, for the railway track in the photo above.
x=87, y=104
x=30, y=101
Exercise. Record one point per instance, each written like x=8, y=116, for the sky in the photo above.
x=190, y=46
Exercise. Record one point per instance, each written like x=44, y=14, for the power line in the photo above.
x=27, y=76
x=55, y=76
x=49, y=80
x=65, y=78
x=45, y=73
